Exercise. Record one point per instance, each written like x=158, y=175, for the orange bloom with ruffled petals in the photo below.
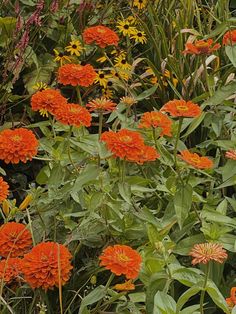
x=204, y=252
x=146, y=154
x=155, y=119
x=10, y=269
x=100, y=35
x=76, y=74
x=17, y=145
x=4, y=190
x=126, y=286
x=195, y=160
x=73, y=114
x=231, y=154
x=15, y=239
x=121, y=260
x=231, y=301
x=47, y=100
x=201, y=47
x=182, y=108
x=229, y=38
x=47, y=265
x=101, y=105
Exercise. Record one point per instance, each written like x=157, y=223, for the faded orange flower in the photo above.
x=47, y=265
x=201, y=47
x=229, y=38
x=15, y=239
x=17, y=145
x=155, y=119
x=231, y=154
x=231, y=301
x=182, y=108
x=121, y=260
x=4, y=190
x=100, y=35
x=126, y=286
x=146, y=154
x=101, y=105
x=76, y=74
x=73, y=114
x=47, y=100
x=10, y=269
x=205, y=252
x=195, y=160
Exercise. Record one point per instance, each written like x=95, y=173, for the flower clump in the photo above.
x=195, y=160
x=155, y=119
x=201, y=47
x=121, y=260
x=205, y=252
x=182, y=108
x=17, y=145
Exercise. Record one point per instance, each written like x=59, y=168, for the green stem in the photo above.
x=206, y=76
x=177, y=139
x=98, y=306
x=100, y=124
x=202, y=296
x=79, y=98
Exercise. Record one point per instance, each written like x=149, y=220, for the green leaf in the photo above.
x=164, y=304
x=90, y=173
x=186, y=296
x=185, y=245
x=194, y=124
x=125, y=192
x=146, y=93
x=187, y=276
x=231, y=53
x=7, y=27
x=182, y=203
x=191, y=309
x=94, y=296
x=212, y=215
x=216, y=296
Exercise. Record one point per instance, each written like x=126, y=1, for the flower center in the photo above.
x=126, y=138
x=123, y=258
x=109, y=83
x=196, y=160
x=182, y=108
x=101, y=75
x=74, y=110
x=100, y=30
x=126, y=26
x=60, y=55
x=139, y=35
x=123, y=61
x=74, y=46
x=16, y=138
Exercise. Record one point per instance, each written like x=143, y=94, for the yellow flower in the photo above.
x=104, y=58
x=102, y=78
x=121, y=62
x=6, y=207
x=121, y=74
x=167, y=75
x=140, y=4
x=107, y=93
x=153, y=78
x=126, y=286
x=40, y=86
x=139, y=37
x=125, y=27
x=75, y=48
x=131, y=19
x=129, y=101
x=60, y=57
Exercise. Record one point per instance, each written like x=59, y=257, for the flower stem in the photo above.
x=100, y=124
x=202, y=296
x=78, y=95
x=177, y=139
x=206, y=76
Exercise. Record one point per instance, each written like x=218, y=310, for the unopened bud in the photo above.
x=26, y=202
x=6, y=207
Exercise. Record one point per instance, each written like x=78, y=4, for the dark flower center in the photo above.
x=60, y=55
x=74, y=46
x=139, y=35
x=126, y=26
x=123, y=61
x=109, y=83
x=101, y=76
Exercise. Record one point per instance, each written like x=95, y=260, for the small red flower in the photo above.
x=231, y=301
x=101, y=105
x=47, y=265
x=195, y=160
x=101, y=36
x=121, y=260
x=229, y=38
x=17, y=145
x=10, y=269
x=182, y=108
x=4, y=190
x=76, y=74
x=201, y=47
x=155, y=119
x=15, y=239
x=73, y=114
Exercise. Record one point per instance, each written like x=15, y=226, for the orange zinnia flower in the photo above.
x=201, y=47
x=73, y=114
x=76, y=74
x=3, y=189
x=205, y=252
x=15, y=239
x=229, y=37
x=146, y=153
x=231, y=154
x=101, y=36
x=155, y=119
x=47, y=265
x=126, y=286
x=196, y=161
x=121, y=260
x=182, y=108
x=47, y=100
x=101, y=105
x=17, y=145
x=10, y=269
x=231, y=301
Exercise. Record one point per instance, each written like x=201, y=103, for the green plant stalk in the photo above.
x=203, y=292
x=177, y=139
x=100, y=124
x=206, y=76
x=98, y=306
x=79, y=98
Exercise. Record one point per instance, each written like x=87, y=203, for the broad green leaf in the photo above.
x=94, y=296
x=185, y=245
x=231, y=53
x=212, y=215
x=187, y=276
x=216, y=296
x=164, y=304
x=229, y=182
x=193, y=309
x=186, y=296
x=182, y=203
x=146, y=93
x=125, y=192
x=194, y=124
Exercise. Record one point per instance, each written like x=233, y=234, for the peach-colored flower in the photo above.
x=195, y=160
x=101, y=105
x=201, y=47
x=182, y=108
x=205, y=252
x=231, y=154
